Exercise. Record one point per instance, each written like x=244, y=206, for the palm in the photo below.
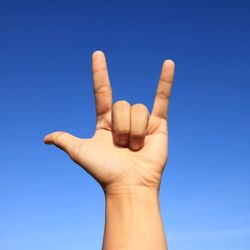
x=114, y=165
x=111, y=164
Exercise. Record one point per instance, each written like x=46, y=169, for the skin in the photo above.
x=126, y=155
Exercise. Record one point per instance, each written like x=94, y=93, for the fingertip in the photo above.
x=50, y=138
x=97, y=54
x=169, y=63
x=47, y=139
x=136, y=144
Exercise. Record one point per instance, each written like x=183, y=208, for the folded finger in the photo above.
x=139, y=117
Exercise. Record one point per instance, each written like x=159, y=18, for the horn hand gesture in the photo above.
x=130, y=145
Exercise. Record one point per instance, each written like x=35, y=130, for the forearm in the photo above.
x=133, y=220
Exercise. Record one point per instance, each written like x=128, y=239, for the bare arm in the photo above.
x=133, y=220
x=127, y=156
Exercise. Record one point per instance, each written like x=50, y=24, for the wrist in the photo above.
x=135, y=211
x=133, y=198
x=131, y=191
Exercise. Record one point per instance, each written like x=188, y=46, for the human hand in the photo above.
x=130, y=146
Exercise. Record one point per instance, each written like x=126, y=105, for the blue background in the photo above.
x=46, y=201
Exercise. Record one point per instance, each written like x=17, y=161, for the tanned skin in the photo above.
x=126, y=155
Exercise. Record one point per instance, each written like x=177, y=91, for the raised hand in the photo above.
x=130, y=146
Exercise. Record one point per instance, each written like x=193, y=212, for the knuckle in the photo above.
x=121, y=104
x=103, y=89
x=58, y=135
x=140, y=107
x=163, y=95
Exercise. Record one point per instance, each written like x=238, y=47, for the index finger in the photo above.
x=163, y=92
x=102, y=88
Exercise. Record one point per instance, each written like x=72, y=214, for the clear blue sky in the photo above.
x=46, y=201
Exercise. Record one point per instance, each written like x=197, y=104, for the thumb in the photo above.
x=65, y=141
